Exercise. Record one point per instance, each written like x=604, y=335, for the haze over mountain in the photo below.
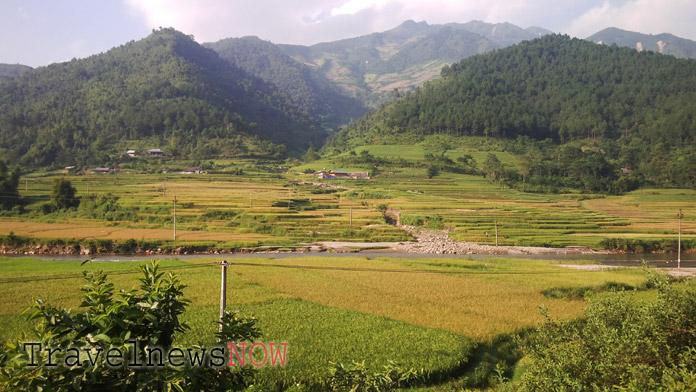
x=370, y=68
x=661, y=43
x=9, y=71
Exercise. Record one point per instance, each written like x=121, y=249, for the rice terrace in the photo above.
x=435, y=207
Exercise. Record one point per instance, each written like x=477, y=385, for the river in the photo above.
x=662, y=260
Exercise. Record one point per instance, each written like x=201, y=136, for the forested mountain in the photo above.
x=166, y=88
x=307, y=87
x=371, y=67
x=9, y=71
x=662, y=43
x=639, y=107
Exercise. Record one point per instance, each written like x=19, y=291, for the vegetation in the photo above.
x=63, y=194
x=622, y=343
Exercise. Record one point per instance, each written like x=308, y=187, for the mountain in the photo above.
x=9, y=71
x=504, y=34
x=662, y=43
x=309, y=89
x=581, y=116
x=165, y=89
x=372, y=67
x=553, y=87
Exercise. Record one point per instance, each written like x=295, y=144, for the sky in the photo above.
x=40, y=32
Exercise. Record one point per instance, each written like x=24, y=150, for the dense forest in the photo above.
x=166, y=89
x=636, y=110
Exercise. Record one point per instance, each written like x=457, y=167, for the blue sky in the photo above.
x=38, y=32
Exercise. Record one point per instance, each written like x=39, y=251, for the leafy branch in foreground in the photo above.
x=88, y=350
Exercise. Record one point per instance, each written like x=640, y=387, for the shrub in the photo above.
x=622, y=343
x=357, y=378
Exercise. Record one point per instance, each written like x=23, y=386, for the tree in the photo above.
x=63, y=194
x=492, y=166
x=437, y=145
x=433, y=171
x=131, y=322
x=9, y=181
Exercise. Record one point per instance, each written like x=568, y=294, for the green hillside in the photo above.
x=637, y=109
x=165, y=89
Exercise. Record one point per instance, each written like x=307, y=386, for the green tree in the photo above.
x=433, y=171
x=63, y=194
x=9, y=181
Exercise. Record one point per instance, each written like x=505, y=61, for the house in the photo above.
x=192, y=170
x=339, y=174
x=155, y=152
x=101, y=170
x=131, y=153
x=359, y=175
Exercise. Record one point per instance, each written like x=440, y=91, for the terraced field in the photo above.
x=265, y=208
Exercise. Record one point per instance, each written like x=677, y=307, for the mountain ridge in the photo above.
x=664, y=43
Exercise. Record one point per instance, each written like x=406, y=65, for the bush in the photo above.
x=623, y=343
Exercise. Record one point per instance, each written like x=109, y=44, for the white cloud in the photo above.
x=312, y=21
x=354, y=6
x=645, y=16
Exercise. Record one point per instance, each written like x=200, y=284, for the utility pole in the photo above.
x=223, y=292
x=496, y=233
x=26, y=185
x=175, y=200
x=351, y=216
x=164, y=188
x=680, y=216
x=251, y=200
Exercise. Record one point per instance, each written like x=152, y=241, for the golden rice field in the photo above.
x=425, y=313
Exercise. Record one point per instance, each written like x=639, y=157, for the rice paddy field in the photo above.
x=429, y=314
x=281, y=207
